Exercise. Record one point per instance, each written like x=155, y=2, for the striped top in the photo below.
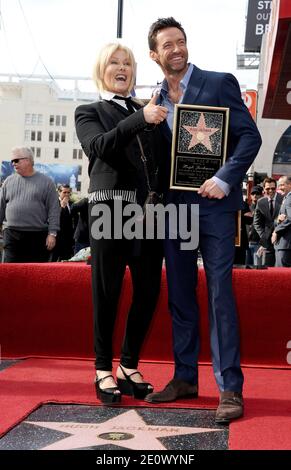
x=112, y=194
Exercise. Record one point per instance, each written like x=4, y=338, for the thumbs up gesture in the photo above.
x=153, y=113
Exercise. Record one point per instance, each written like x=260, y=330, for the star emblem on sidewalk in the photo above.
x=201, y=133
x=127, y=430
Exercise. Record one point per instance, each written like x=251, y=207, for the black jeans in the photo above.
x=24, y=247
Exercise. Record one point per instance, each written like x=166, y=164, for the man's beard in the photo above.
x=176, y=70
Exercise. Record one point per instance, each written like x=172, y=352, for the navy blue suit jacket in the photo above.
x=222, y=89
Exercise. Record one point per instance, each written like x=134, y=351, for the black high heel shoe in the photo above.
x=109, y=395
x=128, y=387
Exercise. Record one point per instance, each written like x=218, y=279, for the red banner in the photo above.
x=277, y=103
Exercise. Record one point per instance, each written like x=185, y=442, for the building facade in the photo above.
x=274, y=157
x=39, y=115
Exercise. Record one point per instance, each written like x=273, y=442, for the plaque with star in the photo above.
x=198, y=145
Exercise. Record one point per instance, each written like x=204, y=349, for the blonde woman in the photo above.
x=107, y=130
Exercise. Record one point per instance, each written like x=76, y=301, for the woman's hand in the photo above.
x=153, y=113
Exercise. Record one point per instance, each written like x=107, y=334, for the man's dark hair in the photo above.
x=269, y=180
x=159, y=25
x=63, y=186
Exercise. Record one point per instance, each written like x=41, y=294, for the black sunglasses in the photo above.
x=16, y=160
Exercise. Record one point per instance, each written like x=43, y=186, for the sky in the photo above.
x=64, y=36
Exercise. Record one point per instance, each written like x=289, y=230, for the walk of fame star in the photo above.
x=201, y=133
x=127, y=430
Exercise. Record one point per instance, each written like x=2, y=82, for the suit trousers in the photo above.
x=269, y=258
x=109, y=258
x=283, y=258
x=216, y=243
x=25, y=246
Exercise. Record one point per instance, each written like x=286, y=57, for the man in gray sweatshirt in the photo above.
x=29, y=212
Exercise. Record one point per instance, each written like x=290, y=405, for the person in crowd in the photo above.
x=252, y=235
x=266, y=212
x=108, y=131
x=241, y=240
x=79, y=211
x=218, y=198
x=281, y=236
x=64, y=248
x=29, y=211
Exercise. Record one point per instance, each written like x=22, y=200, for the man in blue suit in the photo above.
x=218, y=198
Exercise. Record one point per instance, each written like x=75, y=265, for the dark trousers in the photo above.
x=109, y=258
x=63, y=249
x=269, y=258
x=283, y=258
x=216, y=243
x=24, y=247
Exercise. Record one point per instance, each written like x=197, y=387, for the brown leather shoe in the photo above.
x=176, y=388
x=231, y=406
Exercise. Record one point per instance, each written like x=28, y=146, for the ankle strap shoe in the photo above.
x=107, y=396
x=128, y=387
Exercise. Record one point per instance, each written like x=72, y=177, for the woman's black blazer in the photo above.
x=107, y=133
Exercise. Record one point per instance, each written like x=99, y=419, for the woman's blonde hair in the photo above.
x=103, y=59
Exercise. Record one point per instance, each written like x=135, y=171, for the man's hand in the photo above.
x=65, y=202
x=281, y=218
x=261, y=251
x=211, y=190
x=274, y=238
x=153, y=113
x=50, y=242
